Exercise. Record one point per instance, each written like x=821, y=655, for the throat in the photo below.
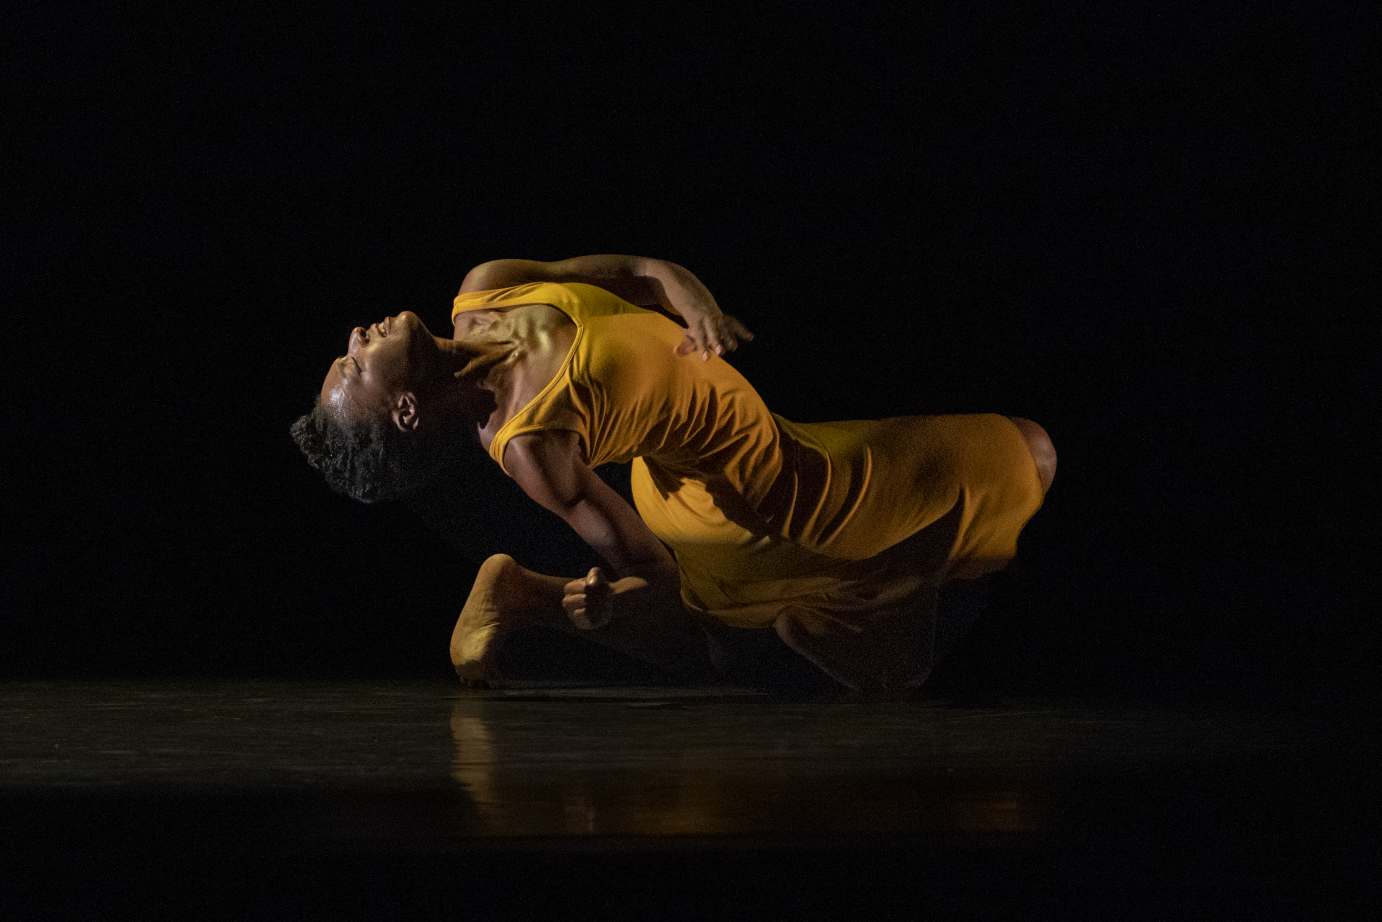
x=485, y=360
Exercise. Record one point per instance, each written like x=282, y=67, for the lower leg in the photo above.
x=758, y=658
x=669, y=640
x=889, y=655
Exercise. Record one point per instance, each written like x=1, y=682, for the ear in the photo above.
x=405, y=412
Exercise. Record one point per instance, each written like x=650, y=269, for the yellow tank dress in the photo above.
x=835, y=523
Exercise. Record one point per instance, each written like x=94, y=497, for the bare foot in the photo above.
x=505, y=597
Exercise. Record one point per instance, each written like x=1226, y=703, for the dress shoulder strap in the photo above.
x=555, y=406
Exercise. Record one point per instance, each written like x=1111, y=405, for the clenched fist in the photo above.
x=589, y=602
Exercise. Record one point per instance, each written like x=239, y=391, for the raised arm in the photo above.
x=639, y=280
x=549, y=467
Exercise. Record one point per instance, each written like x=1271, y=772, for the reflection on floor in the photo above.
x=673, y=800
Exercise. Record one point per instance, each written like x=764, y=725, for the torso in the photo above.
x=536, y=339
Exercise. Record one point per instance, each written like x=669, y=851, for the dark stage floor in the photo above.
x=360, y=800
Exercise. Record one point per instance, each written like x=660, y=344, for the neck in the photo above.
x=472, y=359
x=470, y=362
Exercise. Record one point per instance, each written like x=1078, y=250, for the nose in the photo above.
x=357, y=336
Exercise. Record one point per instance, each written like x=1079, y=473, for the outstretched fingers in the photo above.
x=713, y=336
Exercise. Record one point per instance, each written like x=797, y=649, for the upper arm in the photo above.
x=619, y=275
x=505, y=273
x=550, y=468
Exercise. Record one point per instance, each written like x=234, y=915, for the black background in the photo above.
x=1149, y=228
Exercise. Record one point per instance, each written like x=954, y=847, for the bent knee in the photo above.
x=1041, y=447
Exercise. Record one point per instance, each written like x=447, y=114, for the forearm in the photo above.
x=640, y=280
x=617, y=274
x=674, y=288
x=677, y=291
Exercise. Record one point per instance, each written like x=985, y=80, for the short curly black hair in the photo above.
x=367, y=460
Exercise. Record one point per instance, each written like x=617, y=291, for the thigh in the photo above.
x=757, y=658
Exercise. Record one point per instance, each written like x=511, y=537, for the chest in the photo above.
x=534, y=341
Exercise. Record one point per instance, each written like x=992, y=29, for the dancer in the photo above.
x=828, y=540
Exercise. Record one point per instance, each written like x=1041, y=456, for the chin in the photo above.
x=414, y=322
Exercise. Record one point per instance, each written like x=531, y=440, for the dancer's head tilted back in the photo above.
x=368, y=430
x=353, y=455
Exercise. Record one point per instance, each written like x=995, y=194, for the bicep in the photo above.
x=619, y=275
x=551, y=470
x=505, y=273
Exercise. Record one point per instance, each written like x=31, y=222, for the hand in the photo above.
x=709, y=330
x=589, y=602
